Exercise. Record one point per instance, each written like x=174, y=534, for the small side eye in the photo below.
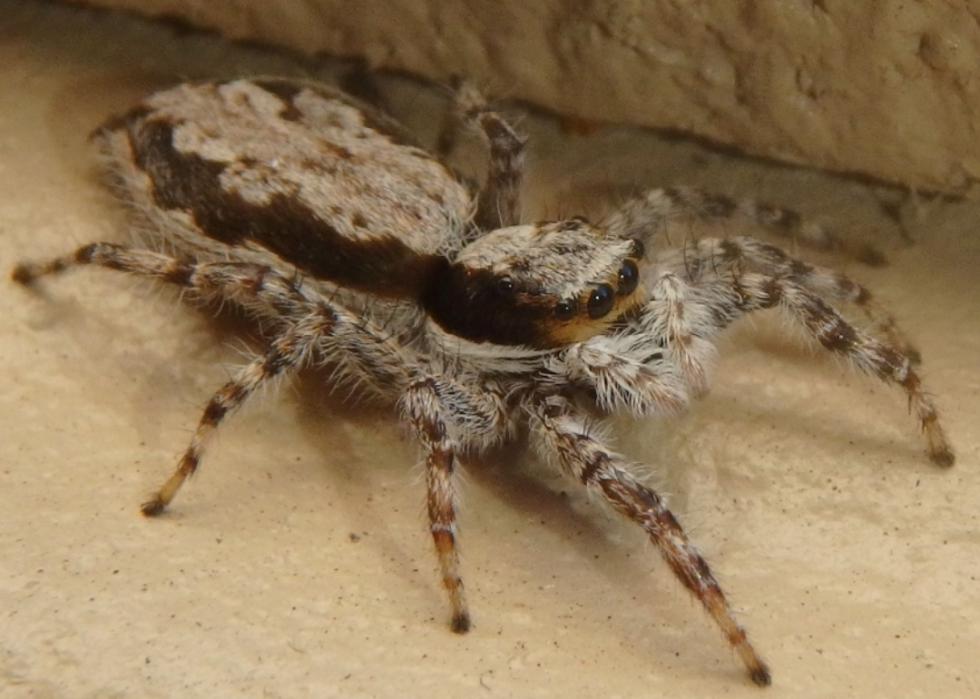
x=601, y=301
x=639, y=249
x=565, y=310
x=629, y=278
x=505, y=285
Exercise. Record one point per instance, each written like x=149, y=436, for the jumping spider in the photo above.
x=356, y=247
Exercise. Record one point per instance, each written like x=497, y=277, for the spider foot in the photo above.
x=940, y=450
x=760, y=674
x=159, y=501
x=24, y=273
x=944, y=457
x=460, y=622
x=758, y=670
x=153, y=507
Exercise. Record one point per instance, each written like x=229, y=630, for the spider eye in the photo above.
x=639, y=250
x=565, y=310
x=601, y=301
x=629, y=278
x=505, y=285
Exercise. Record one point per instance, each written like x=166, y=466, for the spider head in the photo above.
x=544, y=286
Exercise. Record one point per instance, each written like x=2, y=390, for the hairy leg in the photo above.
x=626, y=370
x=287, y=352
x=737, y=254
x=447, y=415
x=307, y=326
x=426, y=414
x=563, y=436
x=645, y=217
x=500, y=199
x=755, y=291
x=672, y=319
x=255, y=286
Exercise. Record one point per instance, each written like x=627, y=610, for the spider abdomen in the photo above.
x=352, y=200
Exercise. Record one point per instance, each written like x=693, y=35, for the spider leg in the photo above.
x=448, y=414
x=326, y=332
x=761, y=291
x=625, y=370
x=648, y=215
x=109, y=255
x=287, y=352
x=672, y=320
x=256, y=286
x=307, y=325
x=426, y=414
x=564, y=436
x=732, y=253
x=499, y=202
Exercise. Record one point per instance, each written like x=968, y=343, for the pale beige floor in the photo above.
x=852, y=560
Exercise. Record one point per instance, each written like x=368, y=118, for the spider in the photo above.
x=356, y=247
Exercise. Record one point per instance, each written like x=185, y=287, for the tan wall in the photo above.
x=878, y=87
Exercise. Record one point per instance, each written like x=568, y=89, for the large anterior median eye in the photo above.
x=629, y=278
x=601, y=301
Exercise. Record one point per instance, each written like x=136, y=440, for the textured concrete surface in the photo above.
x=297, y=563
x=887, y=89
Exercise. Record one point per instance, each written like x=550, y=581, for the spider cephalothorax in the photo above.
x=357, y=247
x=543, y=286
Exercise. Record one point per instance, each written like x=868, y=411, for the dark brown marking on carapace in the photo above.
x=482, y=307
x=471, y=304
x=382, y=265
